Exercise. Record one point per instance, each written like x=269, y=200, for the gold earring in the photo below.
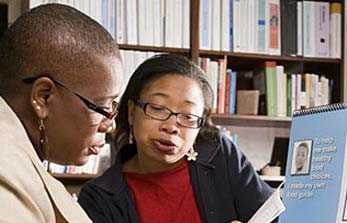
x=36, y=106
x=112, y=127
x=191, y=154
x=43, y=139
x=131, y=136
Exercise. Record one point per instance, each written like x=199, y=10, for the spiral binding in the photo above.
x=320, y=109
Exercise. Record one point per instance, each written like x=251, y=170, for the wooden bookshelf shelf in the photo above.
x=251, y=120
x=153, y=49
x=266, y=57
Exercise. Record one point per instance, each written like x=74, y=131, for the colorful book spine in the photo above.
x=290, y=27
x=261, y=26
x=322, y=20
x=271, y=96
x=335, y=29
x=233, y=89
x=274, y=27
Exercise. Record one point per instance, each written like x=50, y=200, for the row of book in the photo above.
x=252, y=26
x=95, y=165
x=283, y=92
x=131, y=60
x=152, y=23
x=290, y=28
x=280, y=93
x=318, y=29
x=102, y=11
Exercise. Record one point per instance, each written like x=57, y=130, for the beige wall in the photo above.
x=257, y=142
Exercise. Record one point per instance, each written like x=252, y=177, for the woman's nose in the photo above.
x=170, y=126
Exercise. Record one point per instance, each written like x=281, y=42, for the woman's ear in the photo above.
x=131, y=110
x=41, y=96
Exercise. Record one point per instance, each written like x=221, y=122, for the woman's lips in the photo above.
x=94, y=150
x=164, y=146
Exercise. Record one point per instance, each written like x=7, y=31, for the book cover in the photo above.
x=308, y=29
x=289, y=27
x=132, y=22
x=185, y=24
x=335, y=29
x=232, y=98
x=227, y=91
x=261, y=27
x=205, y=24
x=322, y=20
x=216, y=26
x=281, y=91
x=243, y=25
x=221, y=86
x=289, y=96
x=274, y=27
x=300, y=28
x=236, y=13
x=271, y=88
x=225, y=25
x=315, y=188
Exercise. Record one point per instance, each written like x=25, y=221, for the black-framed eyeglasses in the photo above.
x=163, y=113
x=92, y=106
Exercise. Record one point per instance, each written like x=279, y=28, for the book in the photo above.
x=335, y=29
x=270, y=210
x=271, y=88
x=322, y=20
x=289, y=27
x=279, y=153
x=274, y=21
x=316, y=171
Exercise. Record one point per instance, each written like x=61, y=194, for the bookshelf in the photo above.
x=251, y=120
x=254, y=124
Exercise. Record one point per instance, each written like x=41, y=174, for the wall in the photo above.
x=257, y=142
x=15, y=7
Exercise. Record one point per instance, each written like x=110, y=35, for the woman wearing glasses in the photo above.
x=49, y=111
x=173, y=166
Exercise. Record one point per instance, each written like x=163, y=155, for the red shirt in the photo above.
x=164, y=197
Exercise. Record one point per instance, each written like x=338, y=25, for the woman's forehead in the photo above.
x=174, y=86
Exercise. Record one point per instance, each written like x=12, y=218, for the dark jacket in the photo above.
x=225, y=185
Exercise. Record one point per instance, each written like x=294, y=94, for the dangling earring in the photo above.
x=192, y=154
x=43, y=140
x=131, y=136
x=112, y=127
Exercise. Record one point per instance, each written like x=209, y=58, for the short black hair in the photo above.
x=152, y=69
x=52, y=38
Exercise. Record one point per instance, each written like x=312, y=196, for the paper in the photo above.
x=270, y=210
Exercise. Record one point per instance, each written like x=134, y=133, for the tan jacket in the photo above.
x=27, y=192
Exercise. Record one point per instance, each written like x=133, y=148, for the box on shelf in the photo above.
x=247, y=102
